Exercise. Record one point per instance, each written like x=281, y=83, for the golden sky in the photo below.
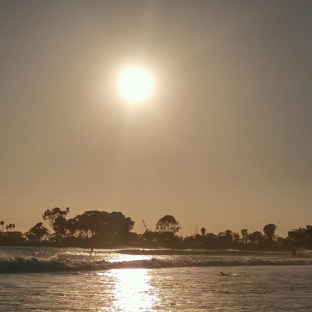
x=223, y=142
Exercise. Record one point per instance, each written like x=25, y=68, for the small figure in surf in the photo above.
x=225, y=274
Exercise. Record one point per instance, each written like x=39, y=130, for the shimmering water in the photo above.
x=45, y=279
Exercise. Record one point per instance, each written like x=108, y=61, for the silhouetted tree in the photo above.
x=2, y=225
x=60, y=225
x=106, y=226
x=119, y=226
x=255, y=237
x=229, y=234
x=167, y=237
x=168, y=223
x=269, y=231
x=244, y=233
x=308, y=232
x=50, y=216
x=302, y=236
x=236, y=236
x=10, y=227
x=282, y=241
x=37, y=232
x=297, y=235
x=14, y=238
x=225, y=236
x=203, y=231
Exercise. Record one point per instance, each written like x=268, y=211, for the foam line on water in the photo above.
x=37, y=265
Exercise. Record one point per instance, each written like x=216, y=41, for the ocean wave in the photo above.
x=34, y=265
x=201, y=252
x=37, y=265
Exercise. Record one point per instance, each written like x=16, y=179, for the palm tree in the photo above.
x=10, y=227
x=2, y=225
x=13, y=226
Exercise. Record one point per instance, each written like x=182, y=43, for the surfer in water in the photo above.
x=225, y=274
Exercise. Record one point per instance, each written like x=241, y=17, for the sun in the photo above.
x=135, y=84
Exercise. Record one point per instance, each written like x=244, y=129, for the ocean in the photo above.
x=73, y=279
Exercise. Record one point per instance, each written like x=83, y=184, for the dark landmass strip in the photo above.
x=101, y=229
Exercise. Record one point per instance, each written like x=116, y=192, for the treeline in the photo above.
x=101, y=229
x=91, y=229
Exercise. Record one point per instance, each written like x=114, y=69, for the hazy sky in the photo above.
x=224, y=142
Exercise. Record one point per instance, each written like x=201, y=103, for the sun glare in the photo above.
x=132, y=289
x=135, y=84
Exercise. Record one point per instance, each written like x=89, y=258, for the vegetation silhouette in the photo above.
x=101, y=229
x=168, y=223
x=37, y=233
x=269, y=231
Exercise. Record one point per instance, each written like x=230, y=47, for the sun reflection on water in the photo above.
x=132, y=290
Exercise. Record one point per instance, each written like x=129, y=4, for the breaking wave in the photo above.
x=37, y=265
